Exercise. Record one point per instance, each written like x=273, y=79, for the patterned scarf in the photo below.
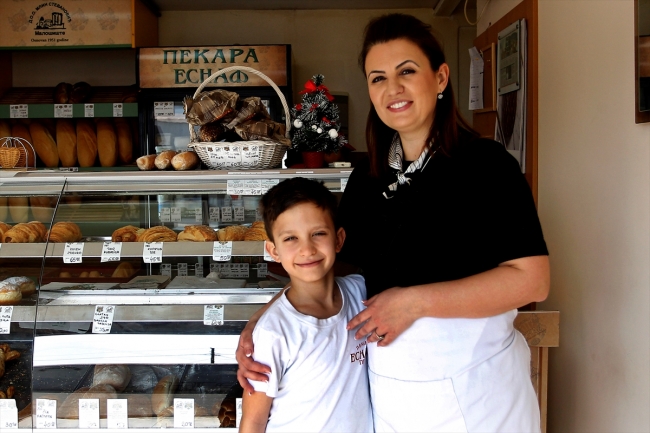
x=395, y=158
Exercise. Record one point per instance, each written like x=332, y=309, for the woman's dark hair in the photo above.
x=447, y=120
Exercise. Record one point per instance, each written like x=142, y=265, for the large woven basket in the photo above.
x=13, y=152
x=253, y=154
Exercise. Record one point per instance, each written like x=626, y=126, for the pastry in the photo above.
x=66, y=142
x=25, y=233
x=211, y=132
x=9, y=293
x=116, y=375
x=146, y=162
x=86, y=143
x=18, y=209
x=69, y=409
x=185, y=161
x=106, y=143
x=157, y=234
x=62, y=93
x=64, y=232
x=123, y=270
x=6, y=354
x=163, y=393
x=3, y=229
x=126, y=234
x=80, y=92
x=258, y=224
x=255, y=234
x=42, y=207
x=65, y=274
x=84, y=274
x=94, y=274
x=24, y=284
x=232, y=233
x=164, y=160
x=44, y=144
x=197, y=234
x=124, y=141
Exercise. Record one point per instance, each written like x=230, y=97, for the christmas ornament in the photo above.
x=319, y=130
x=332, y=133
x=297, y=123
x=314, y=127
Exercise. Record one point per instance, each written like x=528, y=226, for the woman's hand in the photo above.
x=387, y=314
x=248, y=368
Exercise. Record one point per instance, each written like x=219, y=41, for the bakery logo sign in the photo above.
x=49, y=20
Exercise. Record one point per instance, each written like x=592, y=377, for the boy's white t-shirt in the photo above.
x=319, y=376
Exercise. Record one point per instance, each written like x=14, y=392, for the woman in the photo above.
x=444, y=227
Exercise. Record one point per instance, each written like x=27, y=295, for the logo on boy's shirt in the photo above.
x=360, y=354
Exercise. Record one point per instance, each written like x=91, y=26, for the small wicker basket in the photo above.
x=13, y=152
x=253, y=154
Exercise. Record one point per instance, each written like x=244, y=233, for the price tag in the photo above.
x=258, y=215
x=238, y=411
x=198, y=214
x=183, y=413
x=103, y=319
x=222, y=251
x=250, y=156
x=18, y=111
x=8, y=414
x=89, y=110
x=182, y=269
x=235, y=187
x=176, y=214
x=231, y=270
x=62, y=110
x=45, y=413
x=152, y=252
x=213, y=315
x=226, y=214
x=5, y=319
x=165, y=215
x=166, y=269
x=117, y=415
x=217, y=156
x=267, y=184
x=267, y=256
x=111, y=252
x=73, y=252
x=238, y=213
x=233, y=156
x=262, y=270
x=89, y=413
x=344, y=183
x=252, y=187
x=118, y=110
x=163, y=108
x=214, y=214
x=198, y=270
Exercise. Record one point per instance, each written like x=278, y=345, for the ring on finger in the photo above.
x=379, y=337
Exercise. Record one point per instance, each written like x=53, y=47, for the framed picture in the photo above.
x=508, y=64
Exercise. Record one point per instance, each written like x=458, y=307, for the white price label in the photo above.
x=45, y=413
x=226, y=214
x=18, y=111
x=73, y=252
x=111, y=252
x=231, y=270
x=235, y=187
x=89, y=110
x=117, y=415
x=198, y=214
x=217, y=156
x=183, y=413
x=214, y=214
x=267, y=184
x=250, y=156
x=258, y=215
x=152, y=252
x=176, y=214
x=198, y=270
x=213, y=315
x=163, y=108
x=118, y=110
x=267, y=256
x=233, y=155
x=221, y=251
x=5, y=319
x=89, y=413
x=165, y=215
x=238, y=212
x=62, y=110
x=8, y=414
x=182, y=269
x=103, y=319
x=166, y=269
x=262, y=270
x=238, y=411
x=344, y=183
x=252, y=187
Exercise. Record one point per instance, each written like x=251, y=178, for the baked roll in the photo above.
x=255, y=234
x=164, y=160
x=185, y=161
x=116, y=375
x=24, y=284
x=25, y=233
x=123, y=270
x=42, y=207
x=9, y=293
x=157, y=234
x=3, y=229
x=69, y=409
x=126, y=234
x=64, y=232
x=18, y=209
x=146, y=163
x=232, y=233
x=163, y=393
x=197, y=234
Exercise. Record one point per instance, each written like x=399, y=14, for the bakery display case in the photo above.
x=142, y=284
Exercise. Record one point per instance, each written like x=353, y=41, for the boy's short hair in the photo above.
x=292, y=192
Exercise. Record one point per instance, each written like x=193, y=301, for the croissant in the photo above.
x=126, y=234
x=197, y=234
x=232, y=233
x=258, y=224
x=157, y=234
x=64, y=232
x=123, y=270
x=255, y=234
x=25, y=233
x=3, y=229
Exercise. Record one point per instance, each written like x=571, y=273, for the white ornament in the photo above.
x=319, y=130
x=332, y=133
x=314, y=127
x=297, y=123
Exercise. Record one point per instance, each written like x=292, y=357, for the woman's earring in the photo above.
x=440, y=95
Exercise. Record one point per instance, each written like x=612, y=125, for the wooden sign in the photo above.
x=65, y=23
x=167, y=67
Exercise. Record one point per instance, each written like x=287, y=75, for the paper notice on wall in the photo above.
x=475, y=80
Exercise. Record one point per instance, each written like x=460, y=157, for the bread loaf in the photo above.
x=146, y=162
x=255, y=234
x=24, y=284
x=62, y=93
x=232, y=233
x=22, y=131
x=86, y=143
x=164, y=160
x=9, y=294
x=157, y=234
x=70, y=407
x=66, y=142
x=126, y=234
x=197, y=234
x=163, y=393
x=106, y=143
x=185, y=161
x=4, y=210
x=123, y=270
x=64, y=232
x=4, y=227
x=42, y=207
x=116, y=375
x=124, y=141
x=44, y=144
x=18, y=209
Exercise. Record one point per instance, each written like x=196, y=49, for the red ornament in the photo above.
x=326, y=121
x=311, y=87
x=298, y=107
x=313, y=107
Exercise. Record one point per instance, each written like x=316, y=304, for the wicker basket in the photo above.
x=253, y=154
x=13, y=152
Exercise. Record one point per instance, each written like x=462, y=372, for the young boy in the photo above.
x=319, y=379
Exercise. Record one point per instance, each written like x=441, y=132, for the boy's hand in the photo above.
x=248, y=368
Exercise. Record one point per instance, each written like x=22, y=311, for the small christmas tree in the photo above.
x=316, y=120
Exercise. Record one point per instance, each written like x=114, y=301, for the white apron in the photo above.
x=454, y=375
